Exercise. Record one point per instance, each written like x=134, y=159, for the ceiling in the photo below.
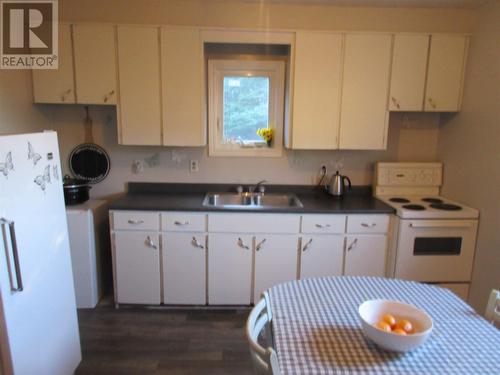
x=465, y=4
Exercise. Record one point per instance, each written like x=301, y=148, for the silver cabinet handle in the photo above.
x=135, y=222
x=366, y=225
x=181, y=222
x=195, y=243
x=323, y=225
x=396, y=103
x=65, y=94
x=306, y=246
x=242, y=244
x=431, y=102
x=15, y=256
x=260, y=244
x=108, y=95
x=351, y=246
x=149, y=242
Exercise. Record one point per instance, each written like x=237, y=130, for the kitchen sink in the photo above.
x=251, y=200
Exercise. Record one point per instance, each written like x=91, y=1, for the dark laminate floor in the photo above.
x=161, y=341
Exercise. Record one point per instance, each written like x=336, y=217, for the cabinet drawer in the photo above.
x=183, y=222
x=136, y=220
x=253, y=223
x=367, y=223
x=323, y=223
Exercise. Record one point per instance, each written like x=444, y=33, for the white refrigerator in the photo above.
x=38, y=321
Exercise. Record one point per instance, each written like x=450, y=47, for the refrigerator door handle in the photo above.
x=15, y=255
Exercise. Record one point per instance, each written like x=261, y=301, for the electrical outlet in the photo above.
x=194, y=166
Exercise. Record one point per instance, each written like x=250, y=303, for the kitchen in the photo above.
x=463, y=139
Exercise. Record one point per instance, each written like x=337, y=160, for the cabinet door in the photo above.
x=137, y=267
x=445, y=73
x=229, y=269
x=95, y=64
x=184, y=268
x=57, y=85
x=365, y=255
x=409, y=62
x=183, y=87
x=139, y=107
x=275, y=260
x=316, y=97
x=321, y=255
x=365, y=88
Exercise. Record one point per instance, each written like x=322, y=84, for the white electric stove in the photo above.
x=434, y=237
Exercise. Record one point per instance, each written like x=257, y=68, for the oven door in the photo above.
x=436, y=250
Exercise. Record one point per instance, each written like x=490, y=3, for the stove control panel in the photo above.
x=408, y=175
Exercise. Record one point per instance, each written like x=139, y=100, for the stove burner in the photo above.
x=414, y=207
x=432, y=200
x=399, y=200
x=446, y=206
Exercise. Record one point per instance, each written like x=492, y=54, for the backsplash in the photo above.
x=412, y=137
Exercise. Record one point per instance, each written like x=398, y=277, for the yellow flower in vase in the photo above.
x=266, y=134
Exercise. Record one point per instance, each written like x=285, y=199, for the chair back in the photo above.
x=259, y=321
x=492, y=313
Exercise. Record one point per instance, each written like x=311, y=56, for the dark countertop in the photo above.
x=189, y=197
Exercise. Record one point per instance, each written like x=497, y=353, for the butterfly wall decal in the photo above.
x=7, y=166
x=33, y=155
x=43, y=179
x=55, y=172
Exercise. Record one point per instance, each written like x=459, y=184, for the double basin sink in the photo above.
x=252, y=200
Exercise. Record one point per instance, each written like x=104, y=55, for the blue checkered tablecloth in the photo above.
x=317, y=330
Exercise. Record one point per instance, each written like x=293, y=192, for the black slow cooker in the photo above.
x=75, y=191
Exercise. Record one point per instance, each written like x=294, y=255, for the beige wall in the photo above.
x=469, y=146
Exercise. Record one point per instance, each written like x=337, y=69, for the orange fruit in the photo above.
x=404, y=325
x=399, y=331
x=383, y=326
x=389, y=319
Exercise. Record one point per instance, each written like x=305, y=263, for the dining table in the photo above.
x=316, y=329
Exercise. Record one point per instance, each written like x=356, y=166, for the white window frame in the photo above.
x=217, y=70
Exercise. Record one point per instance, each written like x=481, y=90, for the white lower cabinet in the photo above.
x=137, y=267
x=365, y=255
x=321, y=255
x=184, y=268
x=229, y=269
x=275, y=261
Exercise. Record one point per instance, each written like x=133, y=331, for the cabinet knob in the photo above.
x=195, y=243
x=260, y=244
x=352, y=245
x=306, y=246
x=149, y=242
x=108, y=95
x=432, y=103
x=396, y=103
x=135, y=222
x=181, y=223
x=370, y=225
x=65, y=94
x=242, y=244
x=323, y=225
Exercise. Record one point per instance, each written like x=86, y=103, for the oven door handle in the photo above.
x=440, y=224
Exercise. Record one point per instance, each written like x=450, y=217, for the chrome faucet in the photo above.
x=257, y=187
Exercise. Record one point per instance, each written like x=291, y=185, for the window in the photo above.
x=245, y=96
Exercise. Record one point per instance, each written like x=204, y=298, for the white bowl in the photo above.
x=371, y=313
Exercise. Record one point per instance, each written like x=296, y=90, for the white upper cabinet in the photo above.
x=447, y=57
x=95, y=64
x=182, y=68
x=409, y=63
x=57, y=85
x=365, y=89
x=316, y=94
x=139, y=103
